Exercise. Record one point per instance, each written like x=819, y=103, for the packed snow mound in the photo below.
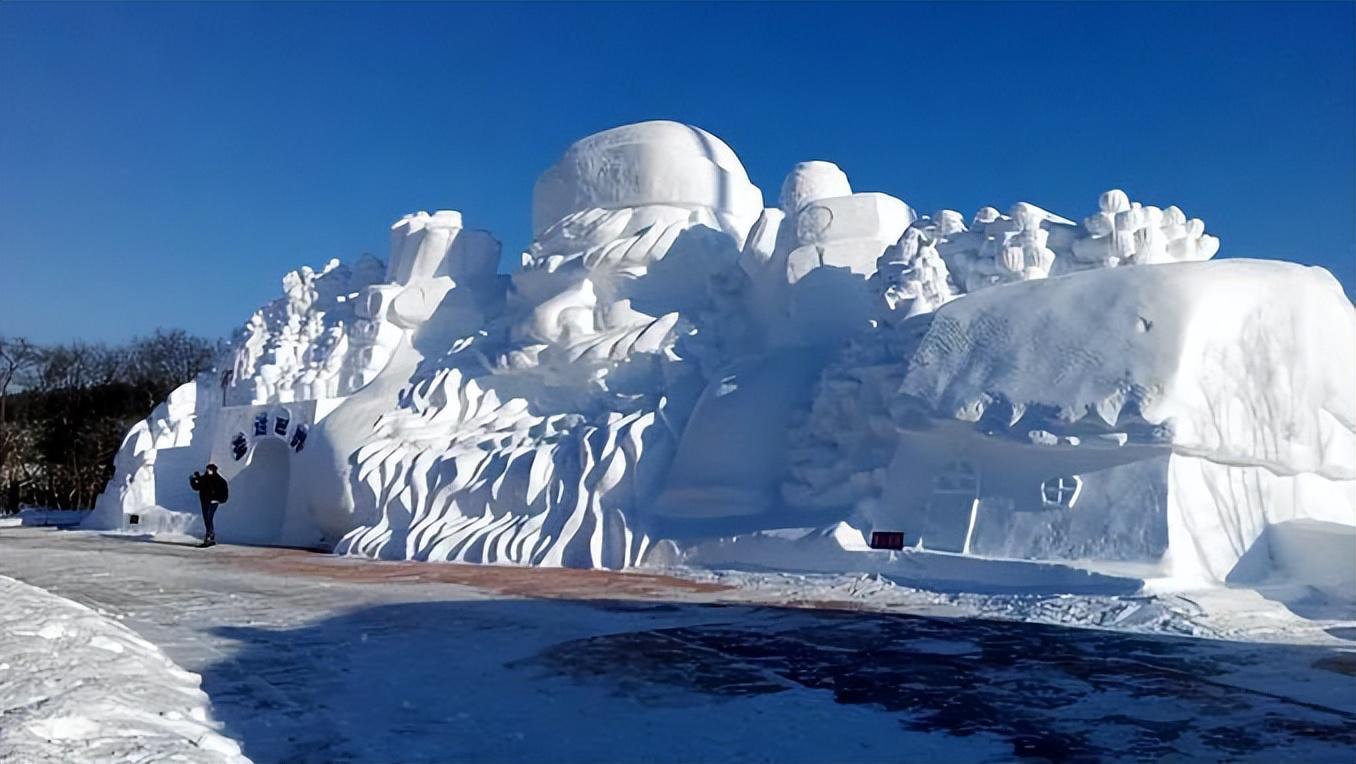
x=75, y=686
x=672, y=364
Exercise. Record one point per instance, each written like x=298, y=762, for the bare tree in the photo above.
x=167, y=359
x=64, y=409
x=19, y=360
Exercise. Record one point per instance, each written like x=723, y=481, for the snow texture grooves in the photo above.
x=463, y=476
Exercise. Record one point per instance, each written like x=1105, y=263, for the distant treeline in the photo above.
x=65, y=408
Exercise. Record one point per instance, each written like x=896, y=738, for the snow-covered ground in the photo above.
x=310, y=657
x=78, y=686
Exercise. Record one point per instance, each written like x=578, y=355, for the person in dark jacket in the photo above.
x=212, y=491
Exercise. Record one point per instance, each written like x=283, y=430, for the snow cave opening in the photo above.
x=258, y=503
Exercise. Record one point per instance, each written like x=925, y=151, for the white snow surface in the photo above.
x=674, y=367
x=76, y=685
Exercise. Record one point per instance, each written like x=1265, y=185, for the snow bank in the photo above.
x=75, y=686
x=1318, y=553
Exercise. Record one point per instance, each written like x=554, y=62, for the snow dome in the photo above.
x=675, y=373
x=656, y=162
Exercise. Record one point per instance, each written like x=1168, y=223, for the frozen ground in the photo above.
x=310, y=657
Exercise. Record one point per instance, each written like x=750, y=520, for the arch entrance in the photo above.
x=254, y=514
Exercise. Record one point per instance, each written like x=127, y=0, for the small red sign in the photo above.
x=887, y=540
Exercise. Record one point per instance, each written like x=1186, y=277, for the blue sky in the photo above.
x=165, y=164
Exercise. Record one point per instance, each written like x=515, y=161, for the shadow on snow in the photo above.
x=510, y=680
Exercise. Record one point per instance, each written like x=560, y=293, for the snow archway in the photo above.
x=258, y=503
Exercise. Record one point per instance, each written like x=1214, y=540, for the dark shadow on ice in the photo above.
x=600, y=680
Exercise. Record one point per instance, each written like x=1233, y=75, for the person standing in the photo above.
x=212, y=491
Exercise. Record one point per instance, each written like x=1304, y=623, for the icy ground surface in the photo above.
x=314, y=658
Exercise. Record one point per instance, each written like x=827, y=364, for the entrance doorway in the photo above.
x=258, y=503
x=952, y=509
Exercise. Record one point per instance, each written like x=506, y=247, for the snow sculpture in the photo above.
x=651, y=164
x=1143, y=385
x=152, y=451
x=911, y=277
x=999, y=249
x=808, y=262
x=1031, y=243
x=1122, y=232
x=295, y=347
x=537, y=440
x=430, y=255
x=671, y=367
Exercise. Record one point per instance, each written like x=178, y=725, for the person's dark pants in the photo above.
x=209, y=511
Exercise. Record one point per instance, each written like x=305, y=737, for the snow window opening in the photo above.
x=1061, y=491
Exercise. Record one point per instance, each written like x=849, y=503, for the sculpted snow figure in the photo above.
x=672, y=366
x=540, y=438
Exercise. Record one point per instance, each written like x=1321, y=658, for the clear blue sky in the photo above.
x=164, y=165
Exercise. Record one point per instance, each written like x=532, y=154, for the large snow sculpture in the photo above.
x=671, y=363
x=1168, y=414
x=808, y=262
x=540, y=439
